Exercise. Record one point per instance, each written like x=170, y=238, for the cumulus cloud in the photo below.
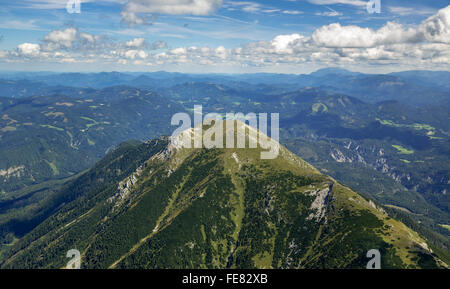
x=133, y=54
x=434, y=29
x=70, y=45
x=437, y=27
x=29, y=49
x=88, y=37
x=283, y=43
x=136, y=42
x=393, y=44
x=335, y=35
x=62, y=38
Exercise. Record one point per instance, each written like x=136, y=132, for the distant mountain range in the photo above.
x=384, y=136
x=413, y=87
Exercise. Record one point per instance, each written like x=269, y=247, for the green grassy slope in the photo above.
x=216, y=208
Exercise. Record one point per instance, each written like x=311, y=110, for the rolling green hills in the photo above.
x=54, y=137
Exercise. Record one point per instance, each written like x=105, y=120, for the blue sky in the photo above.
x=224, y=36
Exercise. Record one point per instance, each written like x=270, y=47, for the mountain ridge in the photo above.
x=221, y=208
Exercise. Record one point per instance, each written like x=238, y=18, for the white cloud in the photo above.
x=70, y=46
x=175, y=7
x=63, y=38
x=172, y=7
x=434, y=29
x=335, y=35
x=437, y=27
x=132, y=54
x=178, y=51
x=282, y=43
x=392, y=44
x=29, y=49
x=136, y=42
x=88, y=37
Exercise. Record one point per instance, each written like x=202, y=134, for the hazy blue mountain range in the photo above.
x=413, y=87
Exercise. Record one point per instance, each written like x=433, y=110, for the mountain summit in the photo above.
x=156, y=205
